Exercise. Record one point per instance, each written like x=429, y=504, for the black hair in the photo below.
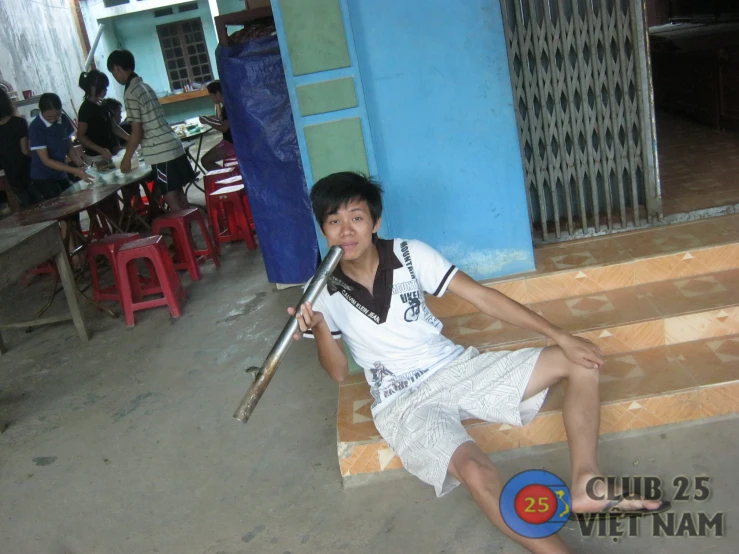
x=122, y=58
x=93, y=79
x=49, y=101
x=112, y=104
x=6, y=104
x=338, y=189
x=214, y=87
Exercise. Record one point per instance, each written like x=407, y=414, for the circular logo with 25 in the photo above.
x=535, y=504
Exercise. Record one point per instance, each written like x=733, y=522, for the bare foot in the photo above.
x=583, y=503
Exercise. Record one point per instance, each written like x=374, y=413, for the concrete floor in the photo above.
x=126, y=444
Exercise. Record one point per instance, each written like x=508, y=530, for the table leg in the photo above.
x=70, y=291
x=3, y=350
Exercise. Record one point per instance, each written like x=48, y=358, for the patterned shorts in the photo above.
x=424, y=426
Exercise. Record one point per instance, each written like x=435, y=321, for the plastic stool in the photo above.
x=108, y=248
x=210, y=178
x=231, y=201
x=166, y=280
x=187, y=257
x=239, y=180
x=46, y=268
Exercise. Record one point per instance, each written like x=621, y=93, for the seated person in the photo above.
x=422, y=383
x=15, y=157
x=116, y=112
x=50, y=138
x=97, y=130
x=225, y=148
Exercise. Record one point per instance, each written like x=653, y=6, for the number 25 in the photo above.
x=543, y=504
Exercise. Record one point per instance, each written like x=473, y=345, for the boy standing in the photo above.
x=161, y=147
x=422, y=383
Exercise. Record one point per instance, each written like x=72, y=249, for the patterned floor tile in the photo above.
x=703, y=325
x=695, y=159
x=696, y=293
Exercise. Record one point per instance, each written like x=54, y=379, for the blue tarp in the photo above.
x=258, y=106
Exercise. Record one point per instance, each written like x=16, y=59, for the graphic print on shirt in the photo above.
x=415, y=298
x=385, y=383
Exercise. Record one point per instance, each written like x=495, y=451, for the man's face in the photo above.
x=351, y=227
x=52, y=116
x=119, y=74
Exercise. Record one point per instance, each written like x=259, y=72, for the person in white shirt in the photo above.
x=422, y=383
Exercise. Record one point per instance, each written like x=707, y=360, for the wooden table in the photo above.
x=78, y=198
x=23, y=248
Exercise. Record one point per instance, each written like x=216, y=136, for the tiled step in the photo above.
x=662, y=303
x=601, y=264
x=657, y=386
x=621, y=320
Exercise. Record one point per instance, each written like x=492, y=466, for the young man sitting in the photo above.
x=422, y=383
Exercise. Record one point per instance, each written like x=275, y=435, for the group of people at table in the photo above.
x=40, y=159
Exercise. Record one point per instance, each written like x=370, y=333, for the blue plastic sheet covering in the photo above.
x=258, y=106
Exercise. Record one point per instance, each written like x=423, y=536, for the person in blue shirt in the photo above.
x=50, y=139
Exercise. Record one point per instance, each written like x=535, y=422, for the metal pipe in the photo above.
x=264, y=374
x=88, y=61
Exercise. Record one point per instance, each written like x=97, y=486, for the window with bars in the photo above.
x=185, y=53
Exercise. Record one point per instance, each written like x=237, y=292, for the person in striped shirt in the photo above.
x=149, y=128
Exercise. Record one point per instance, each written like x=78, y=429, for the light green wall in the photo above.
x=326, y=96
x=336, y=146
x=230, y=6
x=315, y=35
x=137, y=32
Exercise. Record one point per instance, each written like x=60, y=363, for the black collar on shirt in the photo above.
x=131, y=77
x=376, y=305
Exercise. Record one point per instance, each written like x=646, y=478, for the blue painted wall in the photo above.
x=440, y=106
x=137, y=32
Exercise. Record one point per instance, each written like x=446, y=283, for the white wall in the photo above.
x=40, y=49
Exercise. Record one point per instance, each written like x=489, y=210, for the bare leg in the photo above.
x=581, y=415
x=176, y=200
x=210, y=159
x=471, y=467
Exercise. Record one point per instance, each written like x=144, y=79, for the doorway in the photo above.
x=694, y=52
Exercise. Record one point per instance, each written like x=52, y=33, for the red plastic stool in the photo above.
x=187, y=257
x=164, y=275
x=210, y=178
x=239, y=180
x=231, y=201
x=108, y=248
x=46, y=268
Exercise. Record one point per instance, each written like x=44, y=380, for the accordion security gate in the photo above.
x=582, y=94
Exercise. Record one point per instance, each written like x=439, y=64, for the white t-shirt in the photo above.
x=391, y=333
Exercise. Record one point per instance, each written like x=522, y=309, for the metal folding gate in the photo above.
x=582, y=93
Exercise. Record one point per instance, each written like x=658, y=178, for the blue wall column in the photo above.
x=440, y=106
